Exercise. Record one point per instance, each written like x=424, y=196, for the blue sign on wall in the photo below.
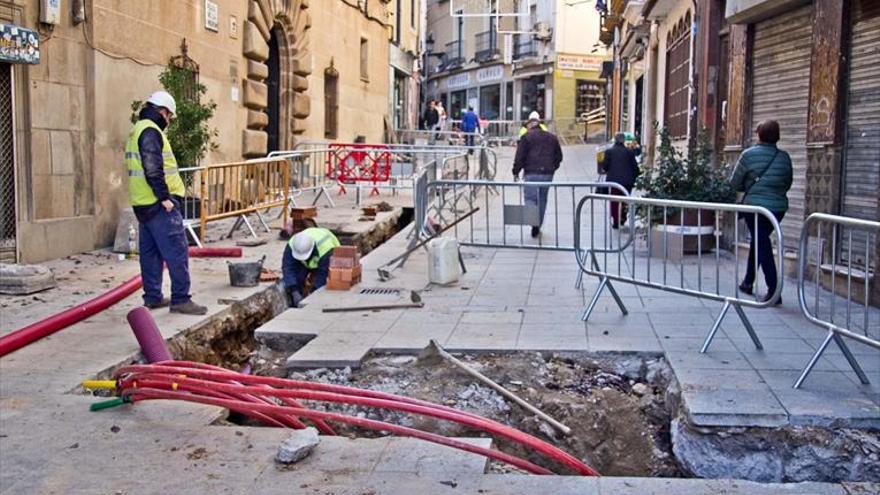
x=19, y=45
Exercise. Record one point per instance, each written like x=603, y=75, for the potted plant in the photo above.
x=689, y=176
x=189, y=133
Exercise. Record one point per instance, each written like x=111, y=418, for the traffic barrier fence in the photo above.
x=852, y=318
x=672, y=230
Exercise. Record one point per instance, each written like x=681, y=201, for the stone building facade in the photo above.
x=263, y=62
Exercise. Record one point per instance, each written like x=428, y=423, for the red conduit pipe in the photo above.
x=249, y=409
x=215, y=252
x=35, y=331
x=148, y=335
x=352, y=396
x=23, y=336
x=322, y=426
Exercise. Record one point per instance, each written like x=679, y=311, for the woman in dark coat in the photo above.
x=763, y=173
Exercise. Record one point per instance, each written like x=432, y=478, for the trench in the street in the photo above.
x=624, y=409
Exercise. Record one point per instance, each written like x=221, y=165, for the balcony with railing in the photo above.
x=524, y=46
x=486, y=45
x=454, y=55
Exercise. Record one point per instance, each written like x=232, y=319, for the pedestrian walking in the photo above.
x=620, y=166
x=538, y=155
x=156, y=191
x=470, y=124
x=441, y=111
x=763, y=173
x=431, y=120
x=307, y=253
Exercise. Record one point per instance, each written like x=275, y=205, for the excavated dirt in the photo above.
x=615, y=407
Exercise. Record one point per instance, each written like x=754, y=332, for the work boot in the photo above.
x=165, y=302
x=189, y=308
x=536, y=231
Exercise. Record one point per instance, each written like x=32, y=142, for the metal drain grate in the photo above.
x=380, y=291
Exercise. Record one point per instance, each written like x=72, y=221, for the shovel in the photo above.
x=385, y=270
x=435, y=352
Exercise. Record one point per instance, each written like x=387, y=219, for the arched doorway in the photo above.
x=273, y=81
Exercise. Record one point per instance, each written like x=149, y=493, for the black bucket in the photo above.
x=245, y=274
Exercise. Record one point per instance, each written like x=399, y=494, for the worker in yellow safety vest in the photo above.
x=307, y=252
x=155, y=191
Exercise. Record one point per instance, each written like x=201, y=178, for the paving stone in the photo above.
x=733, y=407
x=25, y=279
x=407, y=455
x=710, y=360
x=653, y=486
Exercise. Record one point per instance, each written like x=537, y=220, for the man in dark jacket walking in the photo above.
x=431, y=118
x=620, y=165
x=538, y=155
x=155, y=191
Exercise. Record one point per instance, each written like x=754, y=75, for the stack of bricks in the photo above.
x=345, y=268
x=302, y=218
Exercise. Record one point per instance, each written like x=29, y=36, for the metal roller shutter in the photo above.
x=861, y=169
x=781, y=91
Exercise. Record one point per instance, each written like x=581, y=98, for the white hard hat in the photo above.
x=534, y=115
x=163, y=99
x=303, y=244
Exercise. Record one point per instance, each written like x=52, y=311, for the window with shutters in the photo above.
x=678, y=43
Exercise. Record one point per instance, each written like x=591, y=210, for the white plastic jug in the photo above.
x=443, y=266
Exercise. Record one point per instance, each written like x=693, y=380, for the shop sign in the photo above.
x=487, y=74
x=458, y=80
x=578, y=62
x=19, y=45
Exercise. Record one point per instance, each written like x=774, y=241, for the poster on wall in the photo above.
x=19, y=45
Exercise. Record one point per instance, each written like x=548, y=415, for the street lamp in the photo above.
x=428, y=53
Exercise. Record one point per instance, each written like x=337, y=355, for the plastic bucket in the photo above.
x=245, y=273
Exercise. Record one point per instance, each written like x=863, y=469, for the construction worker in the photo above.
x=156, y=191
x=307, y=253
x=534, y=116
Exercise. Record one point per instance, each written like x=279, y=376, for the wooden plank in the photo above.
x=735, y=134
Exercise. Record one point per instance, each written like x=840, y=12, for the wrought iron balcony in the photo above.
x=524, y=46
x=454, y=55
x=486, y=45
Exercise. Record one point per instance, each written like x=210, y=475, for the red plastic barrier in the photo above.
x=357, y=162
x=35, y=331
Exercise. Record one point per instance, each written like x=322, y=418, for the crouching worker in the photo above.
x=307, y=254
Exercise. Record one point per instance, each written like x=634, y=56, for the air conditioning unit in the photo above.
x=543, y=31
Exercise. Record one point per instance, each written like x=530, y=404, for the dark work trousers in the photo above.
x=764, y=250
x=163, y=239
x=469, y=142
x=537, y=195
x=618, y=210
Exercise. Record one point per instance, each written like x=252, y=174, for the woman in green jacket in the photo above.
x=763, y=173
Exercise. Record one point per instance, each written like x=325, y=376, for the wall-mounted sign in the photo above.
x=19, y=45
x=493, y=73
x=233, y=27
x=578, y=62
x=212, y=16
x=458, y=81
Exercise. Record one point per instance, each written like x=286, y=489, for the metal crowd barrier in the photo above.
x=192, y=203
x=506, y=213
x=309, y=161
x=611, y=256
x=238, y=189
x=856, y=238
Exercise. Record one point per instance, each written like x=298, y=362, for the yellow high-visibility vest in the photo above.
x=139, y=191
x=523, y=130
x=325, y=241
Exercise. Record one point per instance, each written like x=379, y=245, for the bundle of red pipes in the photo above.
x=274, y=402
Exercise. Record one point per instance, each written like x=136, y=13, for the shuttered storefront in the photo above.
x=780, y=91
x=861, y=168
